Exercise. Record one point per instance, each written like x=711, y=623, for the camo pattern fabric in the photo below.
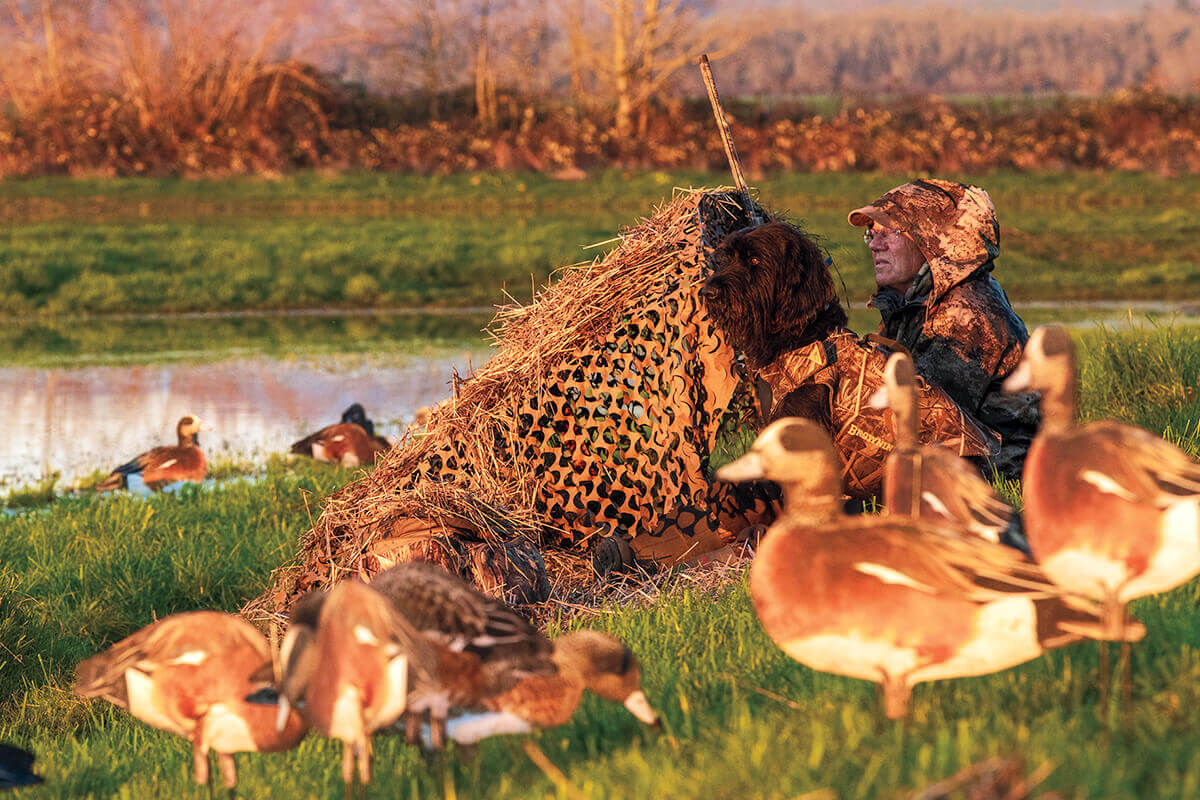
x=852, y=370
x=624, y=432
x=958, y=323
x=619, y=435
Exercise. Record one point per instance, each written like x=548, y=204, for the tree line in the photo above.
x=195, y=86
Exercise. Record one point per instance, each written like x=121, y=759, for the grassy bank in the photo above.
x=378, y=241
x=47, y=343
x=741, y=720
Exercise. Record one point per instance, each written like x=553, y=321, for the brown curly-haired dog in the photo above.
x=771, y=291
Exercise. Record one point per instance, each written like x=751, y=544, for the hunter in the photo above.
x=934, y=244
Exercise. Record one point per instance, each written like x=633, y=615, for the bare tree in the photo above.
x=194, y=62
x=648, y=42
x=485, y=77
x=414, y=44
x=43, y=51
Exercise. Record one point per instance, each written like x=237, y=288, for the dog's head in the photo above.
x=771, y=291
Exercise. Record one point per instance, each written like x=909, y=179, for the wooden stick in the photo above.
x=727, y=139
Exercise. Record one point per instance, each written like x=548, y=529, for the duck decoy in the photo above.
x=583, y=660
x=189, y=674
x=931, y=482
x=16, y=767
x=1111, y=511
x=483, y=647
x=354, y=664
x=887, y=599
x=163, y=465
x=351, y=442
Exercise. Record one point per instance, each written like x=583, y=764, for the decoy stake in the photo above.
x=735, y=165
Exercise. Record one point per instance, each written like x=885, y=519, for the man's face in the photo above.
x=897, y=259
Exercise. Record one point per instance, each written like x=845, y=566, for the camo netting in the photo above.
x=852, y=368
x=599, y=411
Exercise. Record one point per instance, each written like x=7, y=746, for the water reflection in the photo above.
x=75, y=421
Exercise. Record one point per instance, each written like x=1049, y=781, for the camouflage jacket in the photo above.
x=956, y=320
x=850, y=369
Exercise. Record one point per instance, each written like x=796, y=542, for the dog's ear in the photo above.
x=790, y=243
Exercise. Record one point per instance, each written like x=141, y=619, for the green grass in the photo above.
x=377, y=241
x=740, y=719
x=1149, y=376
x=50, y=343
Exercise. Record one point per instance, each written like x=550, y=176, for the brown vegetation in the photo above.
x=197, y=87
x=100, y=134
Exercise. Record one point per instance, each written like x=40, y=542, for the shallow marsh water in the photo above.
x=93, y=396
x=88, y=396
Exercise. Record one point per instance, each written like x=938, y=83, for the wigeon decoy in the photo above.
x=16, y=767
x=354, y=665
x=189, y=674
x=930, y=482
x=1111, y=511
x=351, y=442
x=889, y=599
x=583, y=660
x=163, y=465
x=483, y=647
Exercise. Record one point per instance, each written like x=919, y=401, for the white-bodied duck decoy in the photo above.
x=1111, y=511
x=886, y=599
x=189, y=674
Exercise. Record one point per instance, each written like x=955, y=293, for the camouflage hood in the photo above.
x=953, y=224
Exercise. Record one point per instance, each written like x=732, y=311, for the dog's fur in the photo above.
x=771, y=291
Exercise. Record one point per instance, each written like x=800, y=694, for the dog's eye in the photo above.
x=754, y=260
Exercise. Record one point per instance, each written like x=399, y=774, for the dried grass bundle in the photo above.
x=494, y=490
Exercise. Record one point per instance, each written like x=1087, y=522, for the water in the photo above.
x=77, y=420
x=90, y=397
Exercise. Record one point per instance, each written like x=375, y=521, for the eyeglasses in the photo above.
x=886, y=235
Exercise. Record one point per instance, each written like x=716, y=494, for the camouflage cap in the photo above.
x=954, y=225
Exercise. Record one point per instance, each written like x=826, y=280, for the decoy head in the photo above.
x=607, y=667
x=899, y=393
x=189, y=428
x=1048, y=364
x=797, y=454
x=358, y=416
